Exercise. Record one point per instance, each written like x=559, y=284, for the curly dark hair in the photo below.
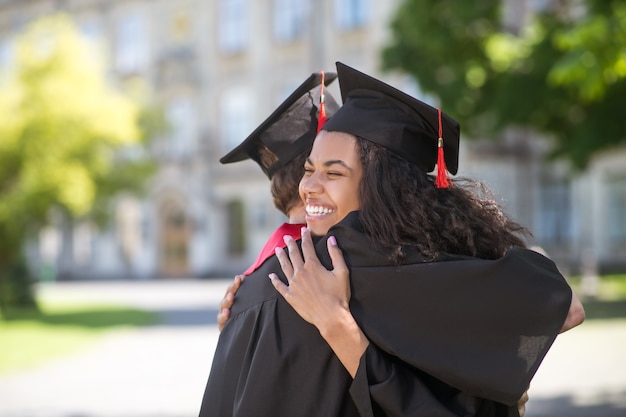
x=284, y=183
x=401, y=207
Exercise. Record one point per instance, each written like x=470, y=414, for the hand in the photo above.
x=521, y=404
x=318, y=295
x=227, y=302
x=575, y=315
x=322, y=297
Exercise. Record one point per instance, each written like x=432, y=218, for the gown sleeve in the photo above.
x=386, y=387
x=482, y=327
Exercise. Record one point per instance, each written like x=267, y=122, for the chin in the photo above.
x=318, y=230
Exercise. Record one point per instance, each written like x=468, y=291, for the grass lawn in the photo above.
x=30, y=338
x=609, y=301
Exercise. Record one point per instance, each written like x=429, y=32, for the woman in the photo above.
x=367, y=159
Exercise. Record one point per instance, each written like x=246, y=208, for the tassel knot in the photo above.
x=321, y=118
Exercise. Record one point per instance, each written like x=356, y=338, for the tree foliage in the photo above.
x=562, y=74
x=66, y=135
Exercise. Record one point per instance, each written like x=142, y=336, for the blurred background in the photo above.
x=114, y=114
x=103, y=98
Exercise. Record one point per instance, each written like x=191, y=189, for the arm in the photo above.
x=227, y=302
x=575, y=315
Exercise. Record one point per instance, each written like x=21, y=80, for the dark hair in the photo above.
x=401, y=207
x=285, y=182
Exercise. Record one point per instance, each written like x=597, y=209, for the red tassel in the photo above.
x=321, y=118
x=441, y=180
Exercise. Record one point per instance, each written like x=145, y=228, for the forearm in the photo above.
x=345, y=338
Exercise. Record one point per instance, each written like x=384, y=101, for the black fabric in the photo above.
x=290, y=129
x=468, y=338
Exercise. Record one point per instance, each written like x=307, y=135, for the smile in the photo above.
x=318, y=210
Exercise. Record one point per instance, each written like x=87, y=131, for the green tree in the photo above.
x=68, y=141
x=563, y=73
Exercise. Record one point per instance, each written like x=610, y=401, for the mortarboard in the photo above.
x=380, y=113
x=290, y=129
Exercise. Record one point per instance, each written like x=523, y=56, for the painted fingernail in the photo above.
x=304, y=230
x=277, y=250
x=332, y=240
x=287, y=238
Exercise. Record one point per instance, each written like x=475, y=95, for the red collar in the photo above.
x=275, y=241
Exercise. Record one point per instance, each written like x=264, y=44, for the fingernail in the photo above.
x=287, y=238
x=277, y=250
x=304, y=230
x=332, y=240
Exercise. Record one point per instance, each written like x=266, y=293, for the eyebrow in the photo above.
x=331, y=162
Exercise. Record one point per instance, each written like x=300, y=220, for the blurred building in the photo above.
x=220, y=67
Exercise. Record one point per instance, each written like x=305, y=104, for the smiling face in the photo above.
x=332, y=175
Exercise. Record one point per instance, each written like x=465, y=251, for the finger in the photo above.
x=227, y=301
x=336, y=256
x=308, y=249
x=278, y=284
x=285, y=263
x=222, y=318
x=294, y=252
x=234, y=286
x=236, y=283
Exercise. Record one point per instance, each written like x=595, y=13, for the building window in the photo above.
x=556, y=226
x=91, y=29
x=351, y=14
x=182, y=122
x=616, y=207
x=7, y=53
x=236, y=114
x=236, y=228
x=232, y=25
x=131, y=43
x=180, y=26
x=290, y=19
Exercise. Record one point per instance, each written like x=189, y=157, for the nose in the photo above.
x=310, y=184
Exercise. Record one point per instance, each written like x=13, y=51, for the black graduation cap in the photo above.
x=290, y=129
x=403, y=124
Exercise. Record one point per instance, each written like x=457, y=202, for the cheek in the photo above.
x=355, y=197
x=349, y=199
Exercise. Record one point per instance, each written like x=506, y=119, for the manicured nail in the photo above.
x=332, y=240
x=277, y=250
x=287, y=238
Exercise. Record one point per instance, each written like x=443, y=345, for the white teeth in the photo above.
x=317, y=210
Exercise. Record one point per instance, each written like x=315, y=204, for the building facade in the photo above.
x=219, y=67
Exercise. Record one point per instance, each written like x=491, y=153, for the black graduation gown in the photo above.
x=453, y=338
